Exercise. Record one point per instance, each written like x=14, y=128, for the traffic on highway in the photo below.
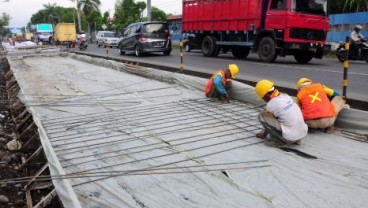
x=285, y=71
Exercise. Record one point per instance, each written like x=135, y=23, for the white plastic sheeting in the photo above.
x=149, y=143
x=17, y=45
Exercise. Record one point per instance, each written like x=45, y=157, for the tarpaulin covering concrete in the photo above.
x=154, y=140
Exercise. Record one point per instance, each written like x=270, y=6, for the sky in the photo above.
x=21, y=10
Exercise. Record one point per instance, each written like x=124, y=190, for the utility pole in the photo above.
x=78, y=16
x=148, y=10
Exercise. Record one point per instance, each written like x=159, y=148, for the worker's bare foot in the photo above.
x=261, y=134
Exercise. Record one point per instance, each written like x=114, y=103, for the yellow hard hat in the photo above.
x=234, y=70
x=301, y=81
x=262, y=87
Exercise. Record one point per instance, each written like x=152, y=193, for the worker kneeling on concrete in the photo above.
x=320, y=105
x=282, y=118
x=218, y=85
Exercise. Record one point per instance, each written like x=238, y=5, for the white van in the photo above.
x=107, y=37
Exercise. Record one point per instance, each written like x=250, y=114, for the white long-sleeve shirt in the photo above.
x=289, y=115
x=355, y=36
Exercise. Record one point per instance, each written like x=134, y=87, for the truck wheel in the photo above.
x=303, y=57
x=240, y=52
x=208, y=45
x=267, y=50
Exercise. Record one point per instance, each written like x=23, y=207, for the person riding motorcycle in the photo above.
x=81, y=37
x=356, y=40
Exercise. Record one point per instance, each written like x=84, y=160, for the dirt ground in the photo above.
x=11, y=195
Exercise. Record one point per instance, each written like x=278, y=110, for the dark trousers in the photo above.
x=213, y=92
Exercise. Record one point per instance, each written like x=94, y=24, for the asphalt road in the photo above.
x=285, y=72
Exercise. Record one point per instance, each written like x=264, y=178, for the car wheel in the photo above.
x=121, y=52
x=98, y=45
x=167, y=53
x=137, y=51
x=187, y=47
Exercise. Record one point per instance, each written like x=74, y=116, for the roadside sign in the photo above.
x=104, y=26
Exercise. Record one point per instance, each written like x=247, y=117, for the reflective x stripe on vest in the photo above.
x=209, y=84
x=315, y=103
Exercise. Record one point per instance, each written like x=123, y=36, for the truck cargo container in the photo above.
x=65, y=34
x=270, y=28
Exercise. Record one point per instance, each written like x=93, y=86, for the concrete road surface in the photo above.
x=284, y=72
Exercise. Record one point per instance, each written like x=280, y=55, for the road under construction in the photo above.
x=102, y=133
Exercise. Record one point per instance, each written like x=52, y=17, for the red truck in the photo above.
x=270, y=28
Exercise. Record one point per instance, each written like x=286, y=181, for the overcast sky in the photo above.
x=21, y=10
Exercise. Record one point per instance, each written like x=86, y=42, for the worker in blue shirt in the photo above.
x=218, y=84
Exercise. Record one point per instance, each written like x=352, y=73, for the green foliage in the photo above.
x=158, y=15
x=4, y=22
x=96, y=20
x=45, y=15
x=127, y=12
x=355, y=5
x=348, y=6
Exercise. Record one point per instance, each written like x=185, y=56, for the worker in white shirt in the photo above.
x=282, y=118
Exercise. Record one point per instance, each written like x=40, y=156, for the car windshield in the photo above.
x=110, y=35
x=317, y=7
x=155, y=28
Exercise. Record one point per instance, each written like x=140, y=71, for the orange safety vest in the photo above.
x=209, y=84
x=315, y=103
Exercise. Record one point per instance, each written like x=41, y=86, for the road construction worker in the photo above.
x=320, y=105
x=282, y=118
x=356, y=39
x=218, y=85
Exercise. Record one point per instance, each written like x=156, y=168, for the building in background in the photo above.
x=174, y=25
x=341, y=25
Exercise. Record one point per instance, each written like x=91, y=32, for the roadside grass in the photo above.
x=330, y=54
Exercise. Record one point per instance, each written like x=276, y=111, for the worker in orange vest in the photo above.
x=282, y=118
x=218, y=84
x=320, y=105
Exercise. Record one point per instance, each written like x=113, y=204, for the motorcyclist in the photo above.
x=356, y=39
x=81, y=37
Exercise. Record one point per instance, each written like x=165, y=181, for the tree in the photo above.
x=47, y=14
x=127, y=12
x=78, y=15
x=95, y=18
x=158, y=15
x=4, y=22
x=356, y=5
x=85, y=6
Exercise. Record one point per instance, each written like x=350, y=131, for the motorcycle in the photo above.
x=362, y=54
x=82, y=45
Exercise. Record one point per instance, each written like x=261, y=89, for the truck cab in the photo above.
x=271, y=28
x=297, y=27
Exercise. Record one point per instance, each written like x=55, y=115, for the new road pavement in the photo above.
x=285, y=71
